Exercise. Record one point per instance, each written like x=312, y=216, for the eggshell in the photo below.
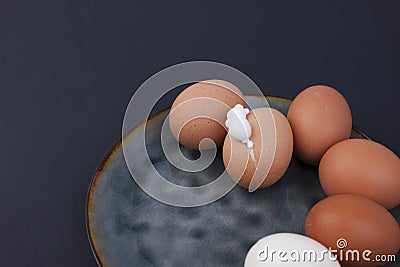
x=350, y=222
x=199, y=112
x=270, y=132
x=320, y=117
x=287, y=249
x=362, y=167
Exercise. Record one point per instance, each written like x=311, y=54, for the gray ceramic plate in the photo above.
x=126, y=227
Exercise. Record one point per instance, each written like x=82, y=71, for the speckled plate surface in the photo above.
x=126, y=227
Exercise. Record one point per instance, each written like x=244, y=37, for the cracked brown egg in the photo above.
x=199, y=113
x=272, y=140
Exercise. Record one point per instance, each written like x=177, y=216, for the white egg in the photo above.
x=287, y=249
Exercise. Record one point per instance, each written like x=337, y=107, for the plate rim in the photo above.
x=105, y=160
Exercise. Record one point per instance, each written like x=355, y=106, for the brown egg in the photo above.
x=362, y=167
x=270, y=131
x=348, y=222
x=199, y=112
x=320, y=117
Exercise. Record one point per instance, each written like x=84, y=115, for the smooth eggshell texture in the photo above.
x=270, y=132
x=287, y=242
x=363, y=223
x=362, y=167
x=320, y=117
x=200, y=110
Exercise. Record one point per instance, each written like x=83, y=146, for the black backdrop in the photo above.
x=68, y=69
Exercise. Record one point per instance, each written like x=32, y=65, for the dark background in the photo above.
x=69, y=68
